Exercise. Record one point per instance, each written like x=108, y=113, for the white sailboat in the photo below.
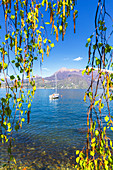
x=56, y=94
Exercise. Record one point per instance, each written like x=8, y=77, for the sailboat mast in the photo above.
x=56, y=82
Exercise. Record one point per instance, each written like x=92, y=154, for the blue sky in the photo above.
x=71, y=53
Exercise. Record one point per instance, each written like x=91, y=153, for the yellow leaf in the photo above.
x=77, y=152
x=74, y=20
x=77, y=159
x=63, y=9
x=56, y=30
x=5, y=16
x=106, y=118
x=45, y=40
x=42, y=56
x=52, y=45
x=14, y=160
x=92, y=153
x=107, y=86
x=23, y=120
x=46, y=5
x=48, y=50
x=85, y=97
x=100, y=105
x=15, y=45
x=96, y=132
x=112, y=128
x=3, y=58
x=93, y=140
x=29, y=75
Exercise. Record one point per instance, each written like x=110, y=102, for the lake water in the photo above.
x=56, y=129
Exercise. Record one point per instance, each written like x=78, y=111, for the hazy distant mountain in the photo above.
x=66, y=79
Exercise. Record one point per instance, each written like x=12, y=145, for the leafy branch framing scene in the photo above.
x=27, y=28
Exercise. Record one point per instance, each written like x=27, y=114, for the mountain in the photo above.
x=66, y=79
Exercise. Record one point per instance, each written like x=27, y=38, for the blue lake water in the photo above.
x=56, y=127
x=62, y=120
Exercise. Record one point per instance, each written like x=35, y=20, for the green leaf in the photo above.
x=96, y=103
x=5, y=65
x=102, y=105
x=18, y=77
x=9, y=150
x=12, y=77
x=86, y=45
x=49, y=41
x=100, y=45
x=21, y=13
x=3, y=99
x=92, y=153
x=76, y=12
x=4, y=165
x=45, y=40
x=35, y=58
x=6, y=36
x=0, y=65
x=34, y=88
x=94, y=47
x=29, y=105
x=17, y=127
x=12, y=16
x=20, y=104
x=13, y=61
x=28, y=92
x=83, y=72
x=97, y=61
x=91, y=36
x=101, y=27
x=96, y=132
x=11, y=157
x=17, y=64
x=2, y=136
x=2, y=79
x=104, y=29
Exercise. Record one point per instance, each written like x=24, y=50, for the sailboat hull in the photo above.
x=54, y=96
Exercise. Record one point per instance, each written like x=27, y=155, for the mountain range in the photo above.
x=66, y=79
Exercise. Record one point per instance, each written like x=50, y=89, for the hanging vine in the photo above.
x=26, y=40
x=98, y=151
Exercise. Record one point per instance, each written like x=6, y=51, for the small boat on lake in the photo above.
x=54, y=95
